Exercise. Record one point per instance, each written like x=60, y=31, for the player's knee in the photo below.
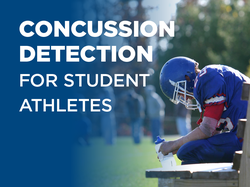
x=181, y=153
x=186, y=150
x=190, y=153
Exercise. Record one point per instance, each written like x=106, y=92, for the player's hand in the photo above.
x=167, y=147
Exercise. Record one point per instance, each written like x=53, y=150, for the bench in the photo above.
x=235, y=174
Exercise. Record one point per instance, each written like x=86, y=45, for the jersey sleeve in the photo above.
x=214, y=111
x=210, y=87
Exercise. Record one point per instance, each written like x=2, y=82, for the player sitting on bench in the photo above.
x=217, y=92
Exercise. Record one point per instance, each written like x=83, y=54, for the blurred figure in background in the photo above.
x=83, y=126
x=122, y=114
x=84, y=129
x=136, y=106
x=155, y=111
x=183, y=119
x=107, y=119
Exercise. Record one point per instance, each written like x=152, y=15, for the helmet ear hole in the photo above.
x=187, y=78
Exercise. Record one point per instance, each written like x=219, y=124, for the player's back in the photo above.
x=218, y=84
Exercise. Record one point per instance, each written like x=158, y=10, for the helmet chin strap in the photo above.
x=180, y=95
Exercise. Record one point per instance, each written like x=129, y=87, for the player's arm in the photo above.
x=173, y=146
x=206, y=129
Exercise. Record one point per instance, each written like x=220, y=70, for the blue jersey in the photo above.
x=217, y=84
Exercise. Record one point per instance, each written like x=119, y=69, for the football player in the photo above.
x=216, y=92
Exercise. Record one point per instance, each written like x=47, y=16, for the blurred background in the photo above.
x=116, y=148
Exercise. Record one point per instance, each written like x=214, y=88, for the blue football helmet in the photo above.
x=177, y=81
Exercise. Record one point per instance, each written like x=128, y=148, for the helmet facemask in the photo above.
x=181, y=95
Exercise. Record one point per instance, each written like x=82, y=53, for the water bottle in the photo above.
x=166, y=160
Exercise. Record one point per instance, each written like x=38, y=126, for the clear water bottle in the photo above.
x=166, y=160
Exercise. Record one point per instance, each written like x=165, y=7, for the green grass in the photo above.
x=121, y=165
